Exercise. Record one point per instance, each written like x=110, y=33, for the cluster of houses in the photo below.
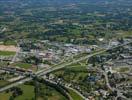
x=54, y=52
x=6, y=58
x=87, y=95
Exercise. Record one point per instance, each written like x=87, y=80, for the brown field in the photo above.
x=9, y=48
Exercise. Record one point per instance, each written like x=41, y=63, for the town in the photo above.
x=109, y=68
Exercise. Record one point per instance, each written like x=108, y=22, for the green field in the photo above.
x=6, y=53
x=124, y=34
x=74, y=95
x=124, y=69
x=22, y=65
x=46, y=92
x=28, y=93
x=2, y=82
x=9, y=42
x=75, y=73
x=5, y=96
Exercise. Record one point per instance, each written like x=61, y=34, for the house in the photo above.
x=126, y=56
x=114, y=43
x=51, y=76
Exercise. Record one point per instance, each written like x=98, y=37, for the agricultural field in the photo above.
x=7, y=53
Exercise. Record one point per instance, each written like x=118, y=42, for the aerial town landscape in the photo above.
x=65, y=50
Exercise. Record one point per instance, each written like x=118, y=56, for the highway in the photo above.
x=8, y=69
x=68, y=88
x=84, y=98
x=70, y=98
x=15, y=84
x=45, y=71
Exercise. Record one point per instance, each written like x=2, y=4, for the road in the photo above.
x=67, y=64
x=8, y=69
x=56, y=84
x=119, y=93
x=67, y=88
x=76, y=92
x=43, y=72
x=15, y=84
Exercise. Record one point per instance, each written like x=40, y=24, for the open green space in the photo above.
x=23, y=65
x=28, y=93
x=6, y=53
x=124, y=34
x=2, y=83
x=5, y=96
x=124, y=69
x=9, y=42
x=75, y=73
x=46, y=92
x=74, y=95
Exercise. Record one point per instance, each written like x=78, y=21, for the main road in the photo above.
x=45, y=71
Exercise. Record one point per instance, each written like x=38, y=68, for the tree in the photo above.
x=11, y=98
x=121, y=40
